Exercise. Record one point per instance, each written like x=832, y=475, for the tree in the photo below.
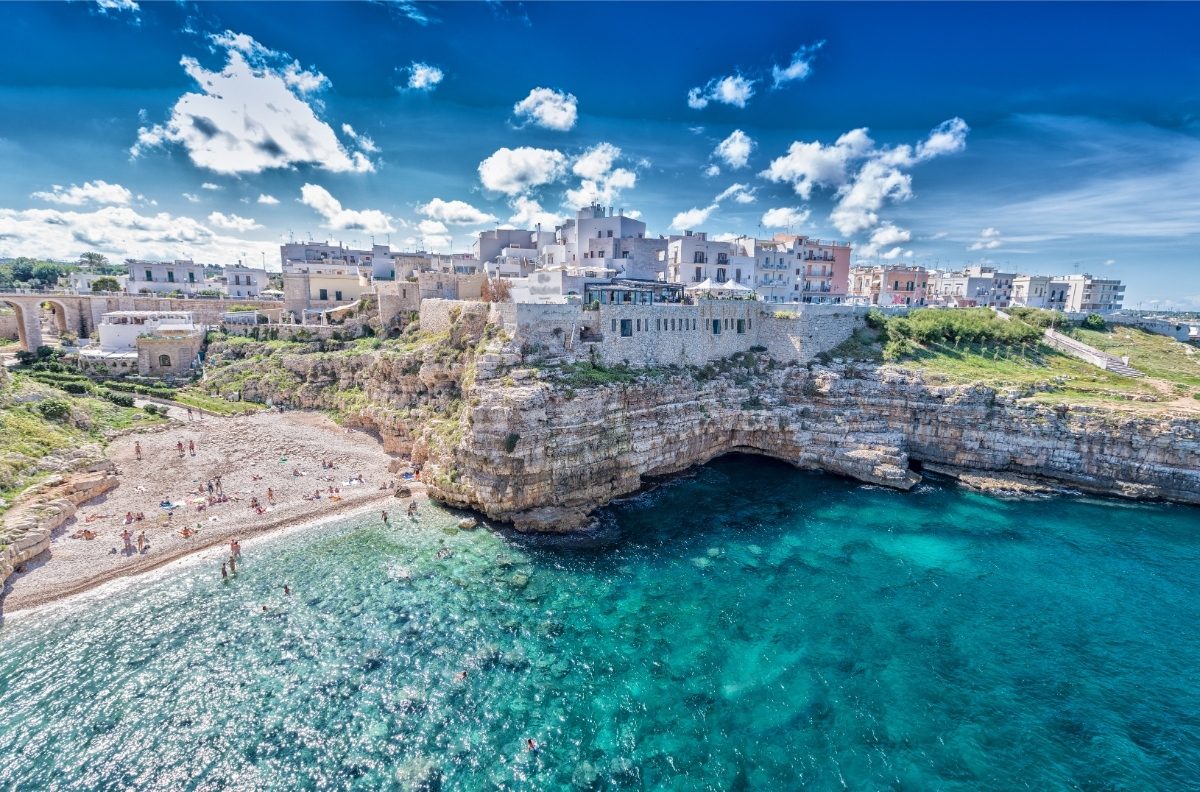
x=1093, y=321
x=106, y=285
x=497, y=290
x=22, y=269
x=47, y=273
x=92, y=259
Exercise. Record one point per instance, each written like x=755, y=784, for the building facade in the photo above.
x=164, y=277
x=890, y=285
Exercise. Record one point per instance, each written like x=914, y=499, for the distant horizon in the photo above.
x=940, y=136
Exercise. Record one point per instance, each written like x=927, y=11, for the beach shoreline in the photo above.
x=240, y=450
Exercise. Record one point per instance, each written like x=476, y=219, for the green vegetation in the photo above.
x=105, y=285
x=510, y=442
x=1038, y=317
x=926, y=326
x=1154, y=355
x=589, y=374
x=1093, y=321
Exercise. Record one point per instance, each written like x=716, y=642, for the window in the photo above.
x=149, y=275
x=191, y=277
x=741, y=326
x=639, y=325
x=737, y=274
x=720, y=275
x=609, y=234
x=716, y=326
x=170, y=276
x=164, y=361
x=337, y=295
x=626, y=328
x=699, y=274
x=323, y=295
x=722, y=258
x=693, y=324
x=614, y=322
x=658, y=325
x=698, y=257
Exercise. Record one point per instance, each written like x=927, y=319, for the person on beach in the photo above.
x=385, y=517
x=192, y=447
x=179, y=447
x=210, y=488
x=142, y=542
x=232, y=565
x=236, y=548
x=224, y=574
x=126, y=536
x=217, y=481
x=412, y=508
x=189, y=410
x=137, y=450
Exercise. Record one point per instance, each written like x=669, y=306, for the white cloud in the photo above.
x=119, y=232
x=735, y=150
x=725, y=236
x=989, y=239
x=548, y=108
x=210, y=186
x=885, y=236
x=371, y=221
x=785, y=216
x=427, y=227
x=739, y=192
x=528, y=213
x=693, y=217
x=191, y=197
x=423, y=77
x=269, y=200
x=600, y=182
x=117, y=5
x=865, y=176
x=251, y=116
x=455, y=212
x=99, y=192
x=799, y=68
x=363, y=142
x=633, y=214
x=712, y=170
x=733, y=90
x=232, y=222
x=516, y=171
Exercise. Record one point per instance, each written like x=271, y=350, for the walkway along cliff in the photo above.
x=543, y=440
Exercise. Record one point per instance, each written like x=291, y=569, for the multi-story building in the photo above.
x=824, y=268
x=149, y=343
x=1088, y=294
x=164, y=277
x=82, y=280
x=694, y=258
x=890, y=284
x=1040, y=291
x=243, y=281
x=973, y=286
x=321, y=286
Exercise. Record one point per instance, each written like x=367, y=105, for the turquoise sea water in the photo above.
x=749, y=627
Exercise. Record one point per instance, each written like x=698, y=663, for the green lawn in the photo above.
x=1154, y=355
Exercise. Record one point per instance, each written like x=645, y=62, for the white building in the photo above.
x=163, y=277
x=973, y=286
x=243, y=281
x=1040, y=291
x=1087, y=294
x=82, y=280
x=155, y=343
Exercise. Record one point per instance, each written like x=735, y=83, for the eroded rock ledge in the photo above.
x=535, y=448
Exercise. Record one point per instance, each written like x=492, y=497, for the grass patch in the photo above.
x=1155, y=355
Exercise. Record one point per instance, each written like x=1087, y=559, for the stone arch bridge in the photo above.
x=80, y=313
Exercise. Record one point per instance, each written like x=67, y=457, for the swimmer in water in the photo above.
x=286, y=590
x=530, y=745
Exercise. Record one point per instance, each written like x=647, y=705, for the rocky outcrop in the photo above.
x=44, y=507
x=542, y=449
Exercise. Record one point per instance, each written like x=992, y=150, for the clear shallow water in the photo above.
x=755, y=627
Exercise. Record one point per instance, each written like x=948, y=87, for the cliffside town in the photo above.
x=541, y=437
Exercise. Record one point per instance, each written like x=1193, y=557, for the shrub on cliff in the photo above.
x=1094, y=321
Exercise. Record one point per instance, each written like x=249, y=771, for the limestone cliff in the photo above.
x=540, y=448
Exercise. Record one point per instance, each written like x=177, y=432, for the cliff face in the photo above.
x=536, y=449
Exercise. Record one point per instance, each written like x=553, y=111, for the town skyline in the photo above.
x=223, y=131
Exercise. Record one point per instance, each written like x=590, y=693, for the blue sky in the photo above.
x=1038, y=137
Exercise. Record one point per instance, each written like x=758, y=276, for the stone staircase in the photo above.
x=1090, y=354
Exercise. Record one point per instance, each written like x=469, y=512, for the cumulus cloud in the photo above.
x=455, y=212
x=251, y=116
x=528, y=213
x=269, y=200
x=117, y=5
x=741, y=193
x=232, y=222
x=97, y=192
x=989, y=239
x=422, y=77
x=692, y=217
x=372, y=221
x=712, y=170
x=548, y=108
x=600, y=182
x=118, y=231
x=785, y=216
x=887, y=235
x=191, y=197
x=799, y=68
x=735, y=150
x=733, y=90
x=864, y=176
x=210, y=186
x=516, y=171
